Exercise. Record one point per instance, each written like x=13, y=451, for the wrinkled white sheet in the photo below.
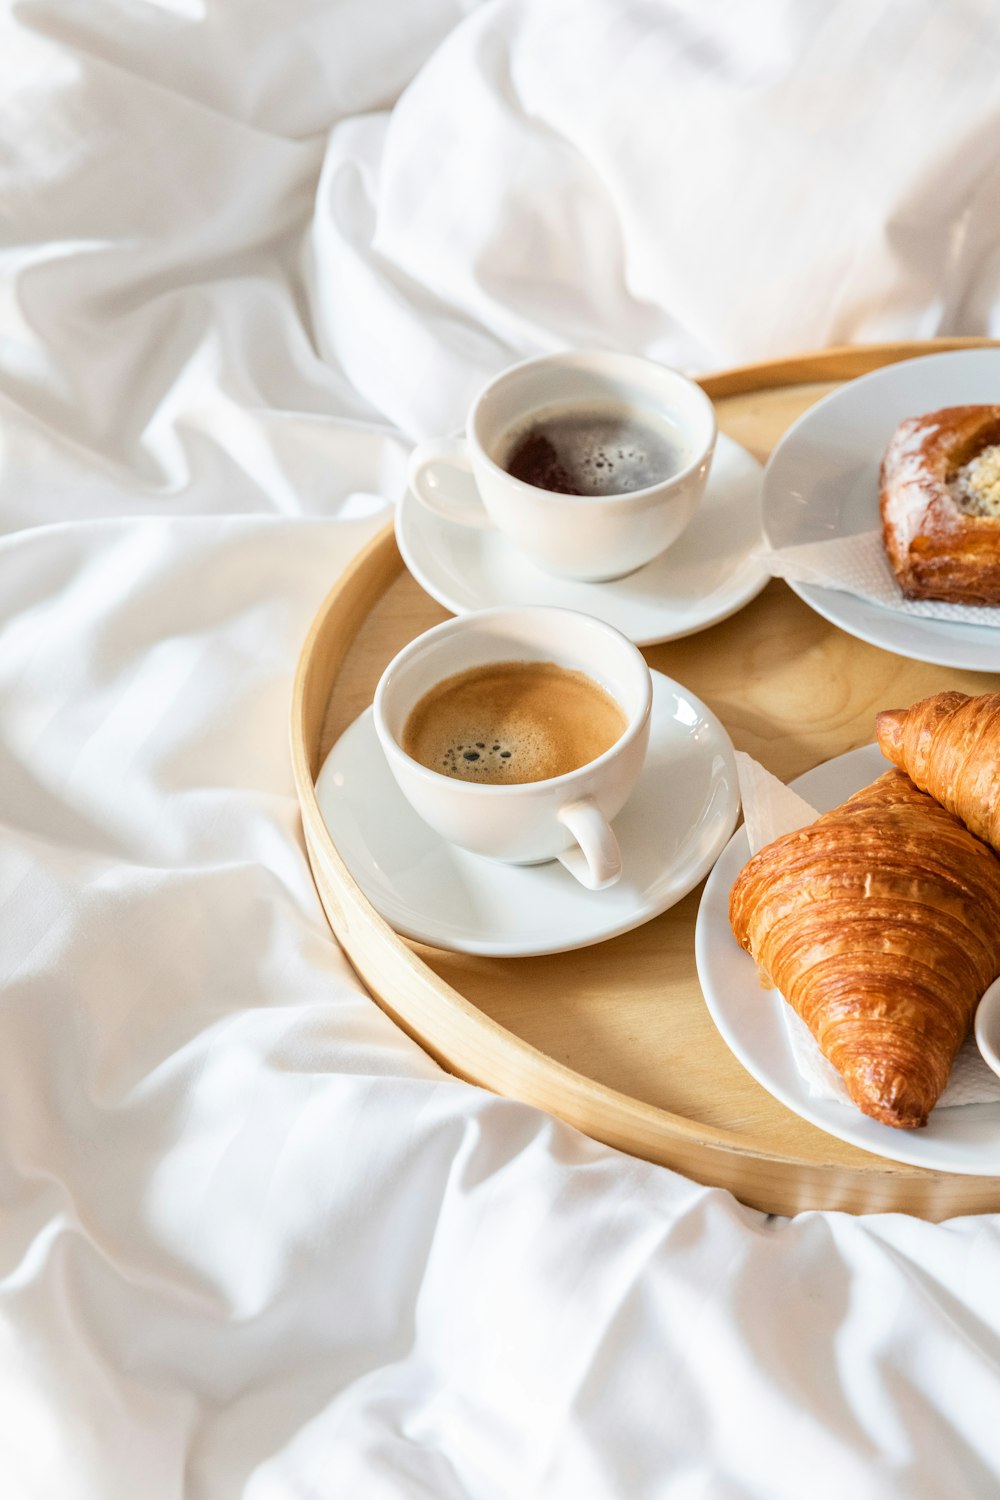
x=252, y=1240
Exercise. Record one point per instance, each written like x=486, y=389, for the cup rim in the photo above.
x=987, y=1014
x=390, y=745
x=589, y=357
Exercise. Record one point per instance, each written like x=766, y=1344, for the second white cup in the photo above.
x=566, y=816
x=632, y=405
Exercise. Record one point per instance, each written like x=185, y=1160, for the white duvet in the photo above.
x=253, y=1242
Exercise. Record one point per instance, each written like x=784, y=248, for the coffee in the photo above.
x=512, y=722
x=603, y=450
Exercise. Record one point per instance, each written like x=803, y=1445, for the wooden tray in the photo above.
x=616, y=1039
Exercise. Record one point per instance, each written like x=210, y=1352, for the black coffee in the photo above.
x=596, y=451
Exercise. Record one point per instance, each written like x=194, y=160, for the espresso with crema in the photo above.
x=598, y=450
x=512, y=722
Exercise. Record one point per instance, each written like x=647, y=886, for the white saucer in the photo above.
x=707, y=575
x=679, y=817
x=965, y=1139
x=821, y=481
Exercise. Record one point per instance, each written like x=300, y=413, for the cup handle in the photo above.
x=597, y=862
x=440, y=475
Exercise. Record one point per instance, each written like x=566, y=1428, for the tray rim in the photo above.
x=472, y=1045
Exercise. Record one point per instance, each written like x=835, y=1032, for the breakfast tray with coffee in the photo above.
x=616, y=1037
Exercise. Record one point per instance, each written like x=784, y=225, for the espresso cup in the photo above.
x=566, y=816
x=622, y=419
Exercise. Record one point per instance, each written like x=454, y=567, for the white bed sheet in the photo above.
x=252, y=1240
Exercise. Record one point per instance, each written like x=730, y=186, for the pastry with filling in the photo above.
x=939, y=495
x=880, y=925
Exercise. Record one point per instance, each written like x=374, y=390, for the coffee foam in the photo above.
x=512, y=722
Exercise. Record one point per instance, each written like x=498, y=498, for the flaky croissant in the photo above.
x=880, y=925
x=949, y=745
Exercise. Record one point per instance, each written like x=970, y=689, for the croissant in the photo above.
x=880, y=925
x=939, y=494
x=949, y=745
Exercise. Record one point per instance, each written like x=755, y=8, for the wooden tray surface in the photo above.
x=616, y=1039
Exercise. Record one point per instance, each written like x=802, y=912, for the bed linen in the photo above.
x=253, y=1242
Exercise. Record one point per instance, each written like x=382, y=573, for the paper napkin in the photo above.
x=858, y=565
x=771, y=809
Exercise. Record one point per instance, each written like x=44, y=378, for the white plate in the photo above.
x=964, y=1139
x=707, y=575
x=671, y=830
x=821, y=481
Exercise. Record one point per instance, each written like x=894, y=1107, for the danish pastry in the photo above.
x=949, y=745
x=880, y=925
x=939, y=494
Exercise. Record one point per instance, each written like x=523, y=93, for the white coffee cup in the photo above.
x=566, y=817
x=588, y=537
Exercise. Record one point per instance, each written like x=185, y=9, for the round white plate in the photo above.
x=671, y=830
x=963, y=1139
x=821, y=481
x=707, y=575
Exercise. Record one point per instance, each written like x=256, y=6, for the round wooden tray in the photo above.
x=616, y=1039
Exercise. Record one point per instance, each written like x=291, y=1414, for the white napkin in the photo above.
x=771, y=809
x=858, y=565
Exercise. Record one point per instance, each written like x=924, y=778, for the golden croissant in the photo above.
x=950, y=746
x=880, y=925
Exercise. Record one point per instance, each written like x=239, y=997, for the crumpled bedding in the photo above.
x=253, y=1241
